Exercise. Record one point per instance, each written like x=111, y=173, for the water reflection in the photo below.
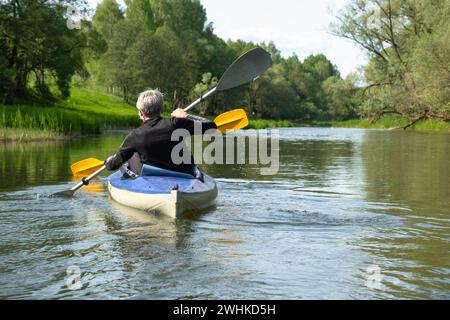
x=302, y=161
x=144, y=227
x=95, y=185
x=409, y=168
x=412, y=172
x=45, y=163
x=25, y=164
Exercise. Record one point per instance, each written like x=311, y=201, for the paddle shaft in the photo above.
x=86, y=181
x=201, y=99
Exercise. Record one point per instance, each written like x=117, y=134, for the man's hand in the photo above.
x=108, y=162
x=179, y=113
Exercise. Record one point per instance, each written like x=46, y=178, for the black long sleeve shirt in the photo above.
x=152, y=141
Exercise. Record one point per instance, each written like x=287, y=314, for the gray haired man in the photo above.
x=151, y=143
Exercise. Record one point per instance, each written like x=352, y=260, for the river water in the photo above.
x=351, y=214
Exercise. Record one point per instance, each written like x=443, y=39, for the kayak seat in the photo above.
x=152, y=171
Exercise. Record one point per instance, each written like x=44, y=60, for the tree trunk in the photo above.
x=40, y=80
x=126, y=98
x=16, y=89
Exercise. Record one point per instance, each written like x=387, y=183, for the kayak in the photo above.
x=170, y=196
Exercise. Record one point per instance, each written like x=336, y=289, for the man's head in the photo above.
x=150, y=104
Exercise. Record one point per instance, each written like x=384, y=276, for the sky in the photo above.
x=295, y=26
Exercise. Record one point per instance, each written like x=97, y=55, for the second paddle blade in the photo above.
x=232, y=120
x=86, y=167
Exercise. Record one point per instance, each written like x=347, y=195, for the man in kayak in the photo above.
x=151, y=144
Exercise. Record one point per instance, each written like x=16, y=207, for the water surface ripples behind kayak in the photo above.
x=344, y=200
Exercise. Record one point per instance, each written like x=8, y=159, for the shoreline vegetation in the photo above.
x=53, y=83
x=85, y=112
x=91, y=112
x=387, y=123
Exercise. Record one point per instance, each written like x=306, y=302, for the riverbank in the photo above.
x=85, y=112
x=389, y=123
x=264, y=124
x=91, y=112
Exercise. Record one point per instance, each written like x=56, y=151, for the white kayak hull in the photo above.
x=168, y=196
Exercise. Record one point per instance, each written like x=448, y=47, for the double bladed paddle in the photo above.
x=245, y=69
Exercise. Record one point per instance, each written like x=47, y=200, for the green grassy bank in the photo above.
x=85, y=112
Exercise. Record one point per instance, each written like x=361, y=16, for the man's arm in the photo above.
x=125, y=152
x=182, y=119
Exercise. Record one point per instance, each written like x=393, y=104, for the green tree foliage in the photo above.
x=341, y=97
x=115, y=66
x=208, y=82
x=274, y=97
x=159, y=43
x=36, y=45
x=307, y=79
x=408, y=43
x=107, y=15
x=141, y=12
x=156, y=58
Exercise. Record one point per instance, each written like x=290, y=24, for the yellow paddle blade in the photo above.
x=232, y=120
x=86, y=167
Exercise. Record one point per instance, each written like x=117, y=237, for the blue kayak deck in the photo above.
x=151, y=185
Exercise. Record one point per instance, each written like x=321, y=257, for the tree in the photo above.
x=406, y=43
x=156, y=60
x=341, y=97
x=186, y=18
x=141, y=12
x=431, y=57
x=274, y=97
x=36, y=42
x=114, y=64
x=208, y=82
x=107, y=15
x=306, y=79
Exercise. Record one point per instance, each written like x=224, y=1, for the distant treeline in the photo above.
x=168, y=44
